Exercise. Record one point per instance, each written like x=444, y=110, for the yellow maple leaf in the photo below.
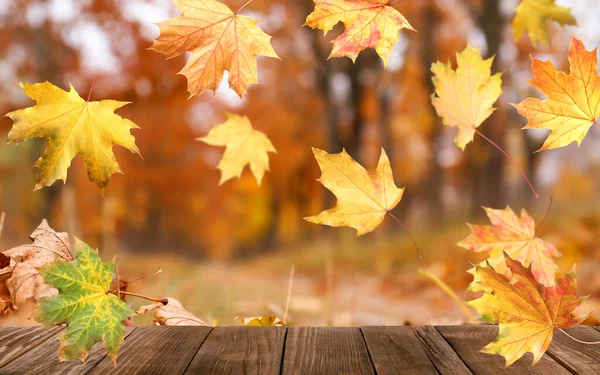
x=363, y=199
x=516, y=236
x=369, y=24
x=245, y=146
x=219, y=40
x=73, y=127
x=532, y=16
x=464, y=97
x=526, y=311
x=573, y=103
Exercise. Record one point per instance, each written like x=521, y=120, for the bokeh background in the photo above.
x=227, y=251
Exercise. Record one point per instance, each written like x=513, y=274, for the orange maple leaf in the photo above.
x=369, y=24
x=526, y=311
x=516, y=236
x=573, y=103
x=219, y=40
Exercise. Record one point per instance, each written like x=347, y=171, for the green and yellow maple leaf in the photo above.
x=73, y=127
x=85, y=303
x=363, y=199
x=573, y=103
x=526, y=311
x=245, y=146
x=219, y=40
x=465, y=97
x=369, y=24
x=532, y=16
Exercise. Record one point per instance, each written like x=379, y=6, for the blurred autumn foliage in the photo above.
x=171, y=198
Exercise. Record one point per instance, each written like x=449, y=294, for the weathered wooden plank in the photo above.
x=577, y=357
x=320, y=350
x=441, y=353
x=468, y=341
x=240, y=350
x=156, y=350
x=14, y=341
x=43, y=359
x=397, y=350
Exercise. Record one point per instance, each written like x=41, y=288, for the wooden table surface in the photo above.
x=296, y=350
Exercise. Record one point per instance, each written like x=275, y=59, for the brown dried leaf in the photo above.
x=171, y=314
x=46, y=247
x=27, y=284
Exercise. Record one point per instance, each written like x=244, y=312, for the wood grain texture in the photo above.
x=577, y=357
x=15, y=341
x=43, y=359
x=468, y=341
x=441, y=353
x=320, y=350
x=156, y=350
x=240, y=350
x=397, y=350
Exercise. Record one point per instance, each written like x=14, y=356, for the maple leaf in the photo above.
x=363, y=199
x=526, y=311
x=262, y=321
x=573, y=103
x=171, y=314
x=219, y=40
x=465, y=97
x=84, y=303
x=74, y=127
x=368, y=24
x=516, y=236
x=532, y=16
x=245, y=146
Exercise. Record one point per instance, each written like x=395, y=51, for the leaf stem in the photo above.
x=579, y=341
x=513, y=161
x=164, y=301
x=289, y=293
x=408, y=233
x=243, y=6
x=91, y=89
x=449, y=292
x=143, y=277
x=2, y=217
x=545, y=216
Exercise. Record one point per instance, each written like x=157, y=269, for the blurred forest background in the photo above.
x=227, y=251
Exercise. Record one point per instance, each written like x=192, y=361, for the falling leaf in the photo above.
x=262, y=321
x=171, y=314
x=219, y=40
x=368, y=24
x=532, y=16
x=526, y=311
x=245, y=146
x=573, y=103
x=516, y=236
x=84, y=303
x=73, y=127
x=363, y=199
x=465, y=97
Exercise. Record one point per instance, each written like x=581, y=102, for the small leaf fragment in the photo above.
x=532, y=16
x=261, y=321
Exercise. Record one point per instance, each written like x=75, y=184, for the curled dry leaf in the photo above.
x=262, y=321
x=20, y=281
x=363, y=199
x=171, y=314
x=525, y=310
